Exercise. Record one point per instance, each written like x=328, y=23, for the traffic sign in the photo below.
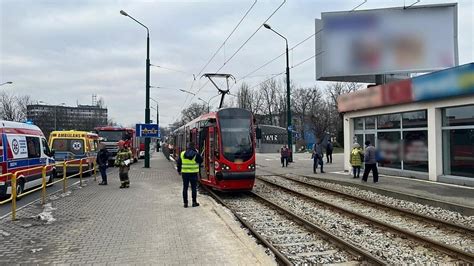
x=148, y=130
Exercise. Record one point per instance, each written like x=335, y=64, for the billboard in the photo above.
x=357, y=45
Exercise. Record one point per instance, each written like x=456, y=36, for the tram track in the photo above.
x=292, y=239
x=427, y=240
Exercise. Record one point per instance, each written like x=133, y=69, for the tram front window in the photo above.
x=236, y=139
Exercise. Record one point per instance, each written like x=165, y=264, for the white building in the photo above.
x=423, y=127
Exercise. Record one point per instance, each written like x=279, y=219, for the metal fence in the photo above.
x=64, y=165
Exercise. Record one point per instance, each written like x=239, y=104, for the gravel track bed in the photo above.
x=298, y=244
x=457, y=238
x=391, y=247
x=435, y=212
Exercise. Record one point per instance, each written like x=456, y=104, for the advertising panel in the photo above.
x=456, y=81
x=386, y=41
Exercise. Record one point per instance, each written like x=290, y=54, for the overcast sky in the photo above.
x=65, y=51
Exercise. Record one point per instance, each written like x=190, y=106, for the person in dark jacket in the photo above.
x=329, y=148
x=317, y=157
x=102, y=159
x=370, y=162
x=284, y=153
x=188, y=165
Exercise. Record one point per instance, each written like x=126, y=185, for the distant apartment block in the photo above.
x=60, y=117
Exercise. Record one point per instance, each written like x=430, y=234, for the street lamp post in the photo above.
x=147, y=87
x=289, y=129
x=208, y=102
x=157, y=111
x=4, y=83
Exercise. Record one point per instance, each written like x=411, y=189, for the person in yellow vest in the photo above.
x=123, y=161
x=188, y=165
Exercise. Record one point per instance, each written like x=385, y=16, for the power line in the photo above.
x=272, y=60
x=240, y=48
x=175, y=70
x=223, y=43
x=217, y=51
x=281, y=73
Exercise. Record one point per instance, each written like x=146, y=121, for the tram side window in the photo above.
x=33, y=145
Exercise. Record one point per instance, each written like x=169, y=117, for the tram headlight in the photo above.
x=251, y=167
x=225, y=167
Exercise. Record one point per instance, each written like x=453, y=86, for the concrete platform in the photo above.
x=447, y=196
x=145, y=224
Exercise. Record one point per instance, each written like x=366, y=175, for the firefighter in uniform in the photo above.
x=123, y=161
x=188, y=166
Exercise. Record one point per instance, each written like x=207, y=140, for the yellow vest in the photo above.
x=188, y=166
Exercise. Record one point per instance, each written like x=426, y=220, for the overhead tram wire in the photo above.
x=174, y=70
x=218, y=49
x=279, y=74
x=228, y=37
x=272, y=60
x=240, y=48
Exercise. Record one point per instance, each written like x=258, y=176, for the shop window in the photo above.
x=415, y=152
x=414, y=119
x=458, y=152
x=388, y=121
x=389, y=148
x=359, y=138
x=370, y=122
x=358, y=123
x=459, y=116
x=371, y=138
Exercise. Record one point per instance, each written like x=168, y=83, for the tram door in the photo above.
x=210, y=150
x=203, y=150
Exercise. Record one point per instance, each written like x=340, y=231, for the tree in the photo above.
x=193, y=111
x=248, y=99
x=301, y=102
x=269, y=91
x=335, y=90
x=14, y=108
x=319, y=118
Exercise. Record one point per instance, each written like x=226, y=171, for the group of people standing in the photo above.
x=122, y=160
x=317, y=155
x=368, y=157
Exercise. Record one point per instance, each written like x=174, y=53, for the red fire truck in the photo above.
x=111, y=135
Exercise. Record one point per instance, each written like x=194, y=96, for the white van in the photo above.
x=22, y=147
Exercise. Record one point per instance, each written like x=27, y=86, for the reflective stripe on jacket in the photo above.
x=189, y=166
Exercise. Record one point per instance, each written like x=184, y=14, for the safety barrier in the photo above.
x=64, y=165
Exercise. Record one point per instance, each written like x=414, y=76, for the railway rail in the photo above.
x=293, y=240
x=359, y=221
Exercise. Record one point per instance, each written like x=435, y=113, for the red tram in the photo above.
x=226, y=141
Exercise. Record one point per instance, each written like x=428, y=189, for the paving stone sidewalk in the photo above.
x=145, y=224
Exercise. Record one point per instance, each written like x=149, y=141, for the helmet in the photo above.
x=121, y=143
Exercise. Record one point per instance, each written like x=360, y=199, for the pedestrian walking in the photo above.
x=284, y=153
x=329, y=148
x=188, y=165
x=370, y=162
x=123, y=161
x=102, y=159
x=356, y=158
x=158, y=146
x=317, y=157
